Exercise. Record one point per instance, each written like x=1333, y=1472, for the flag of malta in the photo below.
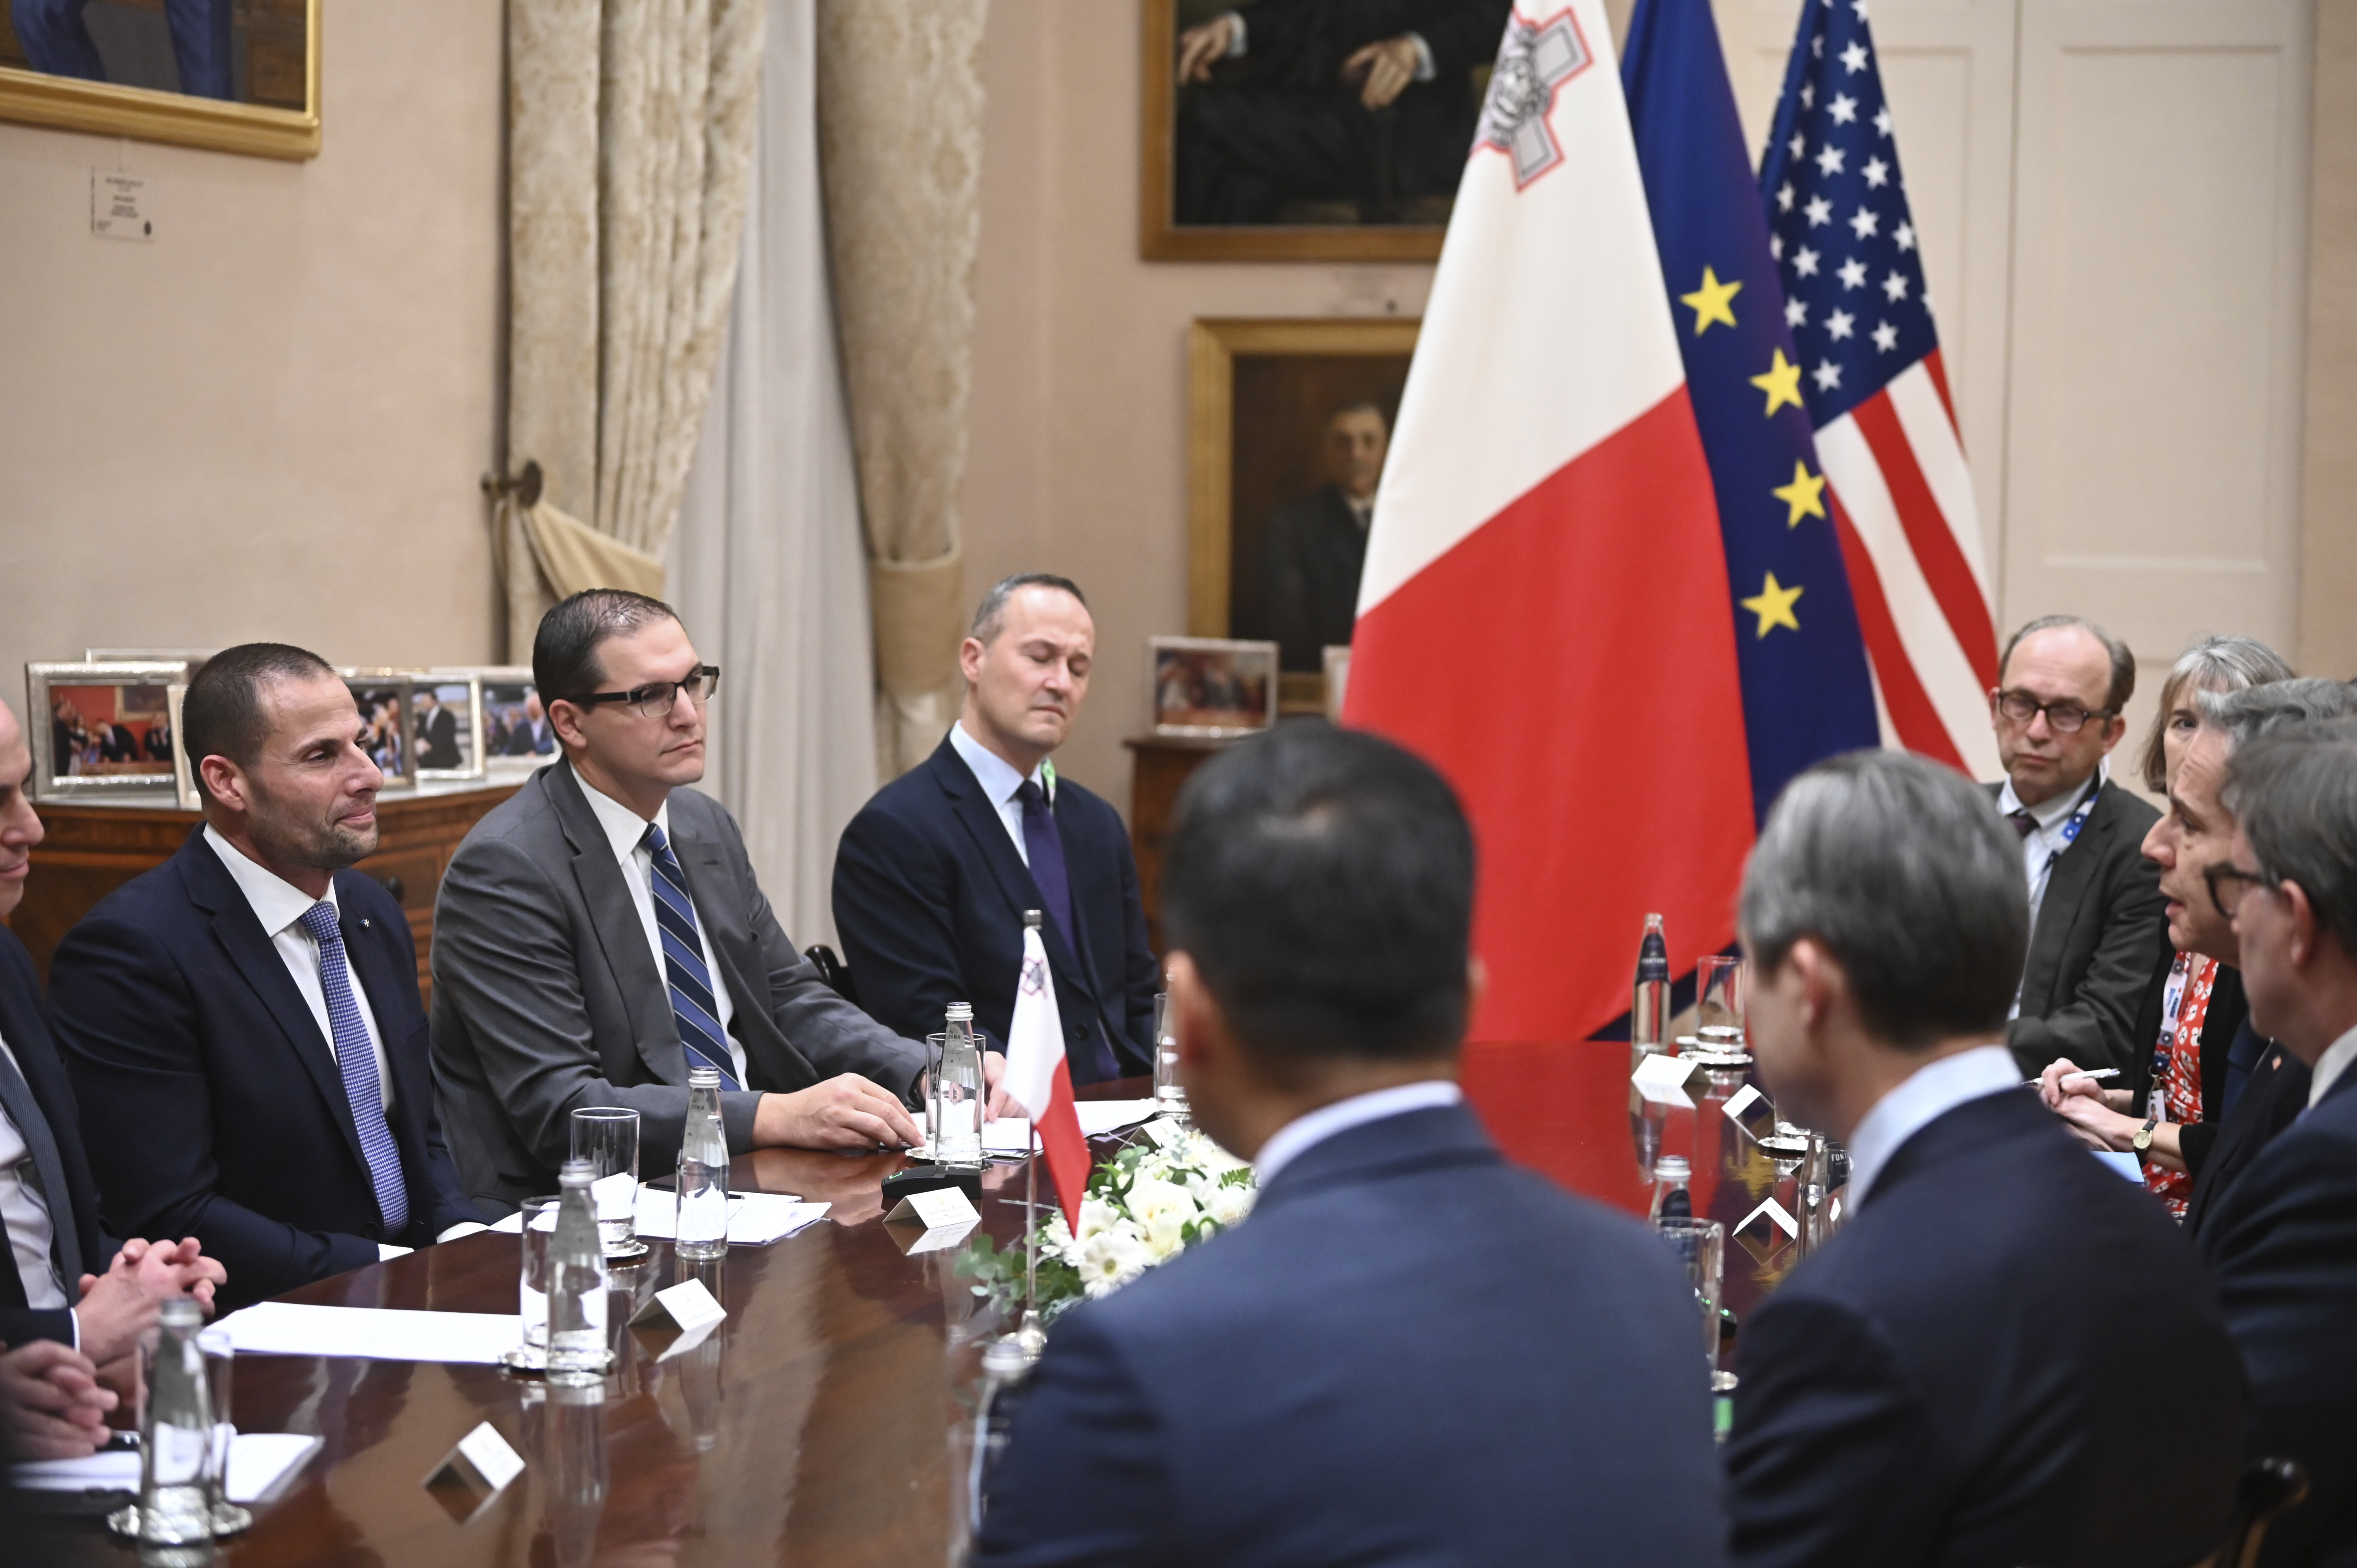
x=1038, y=1077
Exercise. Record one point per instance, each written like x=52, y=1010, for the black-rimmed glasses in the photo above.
x=655, y=699
x=2228, y=883
x=2063, y=717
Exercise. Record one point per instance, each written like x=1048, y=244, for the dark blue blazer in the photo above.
x=1410, y=1353
x=2010, y=1355
x=75, y=1210
x=210, y=1103
x=2282, y=1245
x=928, y=900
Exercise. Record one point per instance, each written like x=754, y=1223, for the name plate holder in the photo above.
x=473, y=1472
x=689, y=1307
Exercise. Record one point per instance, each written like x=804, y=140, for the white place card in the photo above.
x=1776, y=1214
x=941, y=1237
x=1741, y=1100
x=483, y=1462
x=689, y=1304
x=1162, y=1132
x=942, y=1205
x=1663, y=1080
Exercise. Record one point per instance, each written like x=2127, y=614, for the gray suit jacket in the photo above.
x=546, y=996
x=2091, y=953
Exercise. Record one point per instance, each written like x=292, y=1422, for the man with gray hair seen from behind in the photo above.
x=1939, y=1382
x=2094, y=900
x=2282, y=1245
x=600, y=932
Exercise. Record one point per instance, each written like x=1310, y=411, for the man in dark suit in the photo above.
x=241, y=1024
x=935, y=872
x=1942, y=1383
x=2283, y=1243
x=438, y=733
x=2094, y=900
x=532, y=737
x=601, y=932
x=72, y=1303
x=1313, y=550
x=1409, y=1352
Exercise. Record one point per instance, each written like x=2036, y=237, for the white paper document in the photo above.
x=755, y=1219
x=1011, y=1135
x=380, y=1334
x=259, y=1462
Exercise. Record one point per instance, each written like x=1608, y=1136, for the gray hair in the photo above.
x=2123, y=683
x=1903, y=870
x=991, y=614
x=2294, y=790
x=2212, y=664
x=2248, y=715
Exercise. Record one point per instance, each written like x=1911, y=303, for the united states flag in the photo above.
x=1876, y=392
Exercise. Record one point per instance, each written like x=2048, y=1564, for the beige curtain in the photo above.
x=630, y=143
x=899, y=102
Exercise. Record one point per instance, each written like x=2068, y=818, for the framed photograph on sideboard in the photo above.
x=518, y=738
x=384, y=698
x=447, y=717
x=100, y=729
x=1211, y=685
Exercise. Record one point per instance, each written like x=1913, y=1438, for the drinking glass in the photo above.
x=218, y=1348
x=1718, y=998
x=1701, y=1246
x=1169, y=1090
x=608, y=1138
x=532, y=1288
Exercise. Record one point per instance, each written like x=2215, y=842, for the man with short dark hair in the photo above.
x=935, y=872
x=2094, y=900
x=1409, y=1352
x=437, y=732
x=2283, y=1244
x=242, y=1023
x=1942, y=1381
x=600, y=933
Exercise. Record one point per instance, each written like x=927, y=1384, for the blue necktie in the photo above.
x=357, y=1060
x=692, y=999
x=1043, y=846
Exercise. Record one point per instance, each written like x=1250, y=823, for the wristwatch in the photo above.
x=2142, y=1142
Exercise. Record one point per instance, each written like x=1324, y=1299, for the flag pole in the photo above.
x=1030, y=1335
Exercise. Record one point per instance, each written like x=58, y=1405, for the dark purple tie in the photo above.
x=2023, y=823
x=1044, y=847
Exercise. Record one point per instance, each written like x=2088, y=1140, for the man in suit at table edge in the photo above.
x=1941, y=1382
x=242, y=1023
x=2283, y=1243
x=933, y=875
x=61, y=1328
x=600, y=932
x=2094, y=900
x=1409, y=1351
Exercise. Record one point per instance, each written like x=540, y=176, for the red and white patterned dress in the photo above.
x=2176, y=1067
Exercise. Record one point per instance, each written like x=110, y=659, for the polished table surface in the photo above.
x=827, y=1420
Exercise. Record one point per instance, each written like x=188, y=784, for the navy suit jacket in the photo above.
x=928, y=900
x=76, y=1208
x=2283, y=1244
x=210, y=1103
x=1409, y=1353
x=1973, y=1371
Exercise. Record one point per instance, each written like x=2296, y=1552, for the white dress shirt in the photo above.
x=2044, y=843
x=626, y=830
x=1303, y=1132
x=1929, y=1093
x=1000, y=782
x=30, y=1229
x=2331, y=1065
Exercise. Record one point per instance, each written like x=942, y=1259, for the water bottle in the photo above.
x=576, y=1280
x=1670, y=1199
x=176, y=1442
x=957, y=1135
x=1169, y=1089
x=703, y=1229
x=1648, y=1019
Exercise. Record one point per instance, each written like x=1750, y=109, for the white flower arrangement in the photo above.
x=1144, y=1206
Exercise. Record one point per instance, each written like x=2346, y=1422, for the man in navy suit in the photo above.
x=933, y=875
x=2283, y=1242
x=72, y=1303
x=1948, y=1379
x=1409, y=1352
x=241, y=1024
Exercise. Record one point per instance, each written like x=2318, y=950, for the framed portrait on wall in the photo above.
x=518, y=739
x=1288, y=426
x=1301, y=130
x=1211, y=685
x=236, y=76
x=385, y=699
x=100, y=729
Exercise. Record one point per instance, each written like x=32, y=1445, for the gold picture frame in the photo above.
x=71, y=104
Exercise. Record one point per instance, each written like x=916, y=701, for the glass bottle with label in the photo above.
x=703, y=1229
x=957, y=1129
x=1672, y=1200
x=576, y=1280
x=1649, y=1018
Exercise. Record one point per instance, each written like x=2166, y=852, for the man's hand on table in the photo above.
x=994, y=1071
x=52, y=1406
x=116, y=1305
x=847, y=1112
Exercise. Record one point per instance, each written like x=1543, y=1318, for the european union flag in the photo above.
x=1807, y=693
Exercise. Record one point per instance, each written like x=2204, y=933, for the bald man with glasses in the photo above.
x=601, y=933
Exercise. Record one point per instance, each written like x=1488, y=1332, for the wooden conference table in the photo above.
x=827, y=1420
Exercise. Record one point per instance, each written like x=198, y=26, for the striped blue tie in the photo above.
x=357, y=1057
x=691, y=999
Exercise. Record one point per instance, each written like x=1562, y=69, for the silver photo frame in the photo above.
x=93, y=724
x=385, y=699
x=513, y=735
x=446, y=718
x=1211, y=685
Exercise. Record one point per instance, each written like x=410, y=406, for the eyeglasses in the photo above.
x=2063, y=717
x=2228, y=883
x=655, y=699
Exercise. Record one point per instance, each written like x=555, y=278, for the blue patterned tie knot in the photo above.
x=693, y=1001
x=355, y=1058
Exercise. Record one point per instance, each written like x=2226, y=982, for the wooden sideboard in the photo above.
x=1159, y=764
x=94, y=847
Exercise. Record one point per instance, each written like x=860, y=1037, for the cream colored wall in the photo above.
x=2327, y=579
x=270, y=420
